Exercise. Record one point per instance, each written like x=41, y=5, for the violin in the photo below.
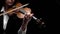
x=20, y=11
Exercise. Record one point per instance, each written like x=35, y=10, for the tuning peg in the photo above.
x=39, y=21
x=42, y=23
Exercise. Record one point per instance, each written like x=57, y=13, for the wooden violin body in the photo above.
x=17, y=12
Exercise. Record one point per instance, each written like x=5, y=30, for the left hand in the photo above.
x=27, y=17
x=26, y=20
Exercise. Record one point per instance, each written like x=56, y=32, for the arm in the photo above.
x=23, y=28
x=26, y=20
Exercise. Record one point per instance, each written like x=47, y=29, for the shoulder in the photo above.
x=20, y=4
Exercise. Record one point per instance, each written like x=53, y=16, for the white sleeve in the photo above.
x=20, y=31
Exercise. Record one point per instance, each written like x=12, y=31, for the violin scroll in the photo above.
x=40, y=21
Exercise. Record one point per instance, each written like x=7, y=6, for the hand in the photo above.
x=26, y=20
x=27, y=17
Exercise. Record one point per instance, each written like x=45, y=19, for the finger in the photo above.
x=26, y=15
x=31, y=15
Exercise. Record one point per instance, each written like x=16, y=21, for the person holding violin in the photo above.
x=14, y=22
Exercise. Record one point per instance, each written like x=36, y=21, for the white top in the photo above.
x=5, y=19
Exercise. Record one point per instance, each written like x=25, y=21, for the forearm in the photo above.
x=21, y=31
x=26, y=20
x=23, y=28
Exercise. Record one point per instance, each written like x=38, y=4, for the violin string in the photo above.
x=14, y=9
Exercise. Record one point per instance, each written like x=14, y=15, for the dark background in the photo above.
x=40, y=10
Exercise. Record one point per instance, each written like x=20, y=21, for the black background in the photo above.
x=40, y=10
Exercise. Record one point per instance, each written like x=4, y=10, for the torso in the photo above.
x=14, y=22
